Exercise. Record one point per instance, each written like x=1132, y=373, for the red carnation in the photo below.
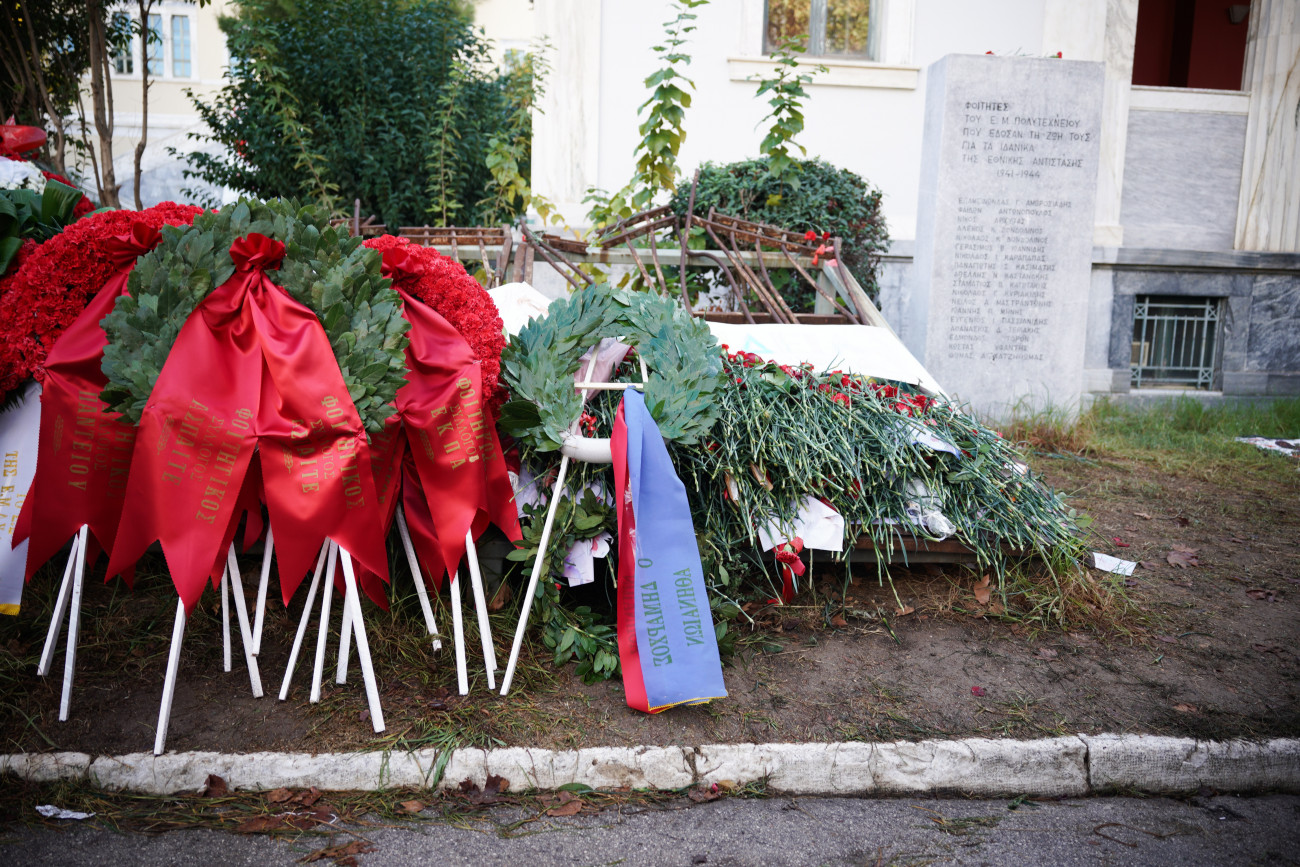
x=448, y=288
x=58, y=279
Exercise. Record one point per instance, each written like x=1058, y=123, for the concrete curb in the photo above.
x=1064, y=766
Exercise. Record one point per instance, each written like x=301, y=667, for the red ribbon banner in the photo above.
x=84, y=455
x=250, y=367
x=452, y=435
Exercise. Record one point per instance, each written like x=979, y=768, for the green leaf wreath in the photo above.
x=330, y=273
x=538, y=365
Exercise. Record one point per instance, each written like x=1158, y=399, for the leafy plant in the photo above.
x=662, y=131
x=787, y=95
x=28, y=214
x=828, y=199
x=509, y=191
x=578, y=632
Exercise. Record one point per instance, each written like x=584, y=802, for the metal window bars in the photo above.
x=1175, y=341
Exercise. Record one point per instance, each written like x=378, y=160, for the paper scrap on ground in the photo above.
x=819, y=526
x=1290, y=448
x=1107, y=563
x=50, y=811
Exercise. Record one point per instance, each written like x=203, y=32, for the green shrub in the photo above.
x=823, y=198
x=388, y=101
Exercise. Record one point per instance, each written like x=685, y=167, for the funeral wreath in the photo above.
x=331, y=274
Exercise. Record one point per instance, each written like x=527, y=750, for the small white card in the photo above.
x=1107, y=563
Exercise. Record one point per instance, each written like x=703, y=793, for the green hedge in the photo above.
x=826, y=199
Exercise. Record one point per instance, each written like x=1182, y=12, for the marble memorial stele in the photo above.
x=998, y=307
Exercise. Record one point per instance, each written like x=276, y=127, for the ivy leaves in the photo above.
x=331, y=274
x=539, y=363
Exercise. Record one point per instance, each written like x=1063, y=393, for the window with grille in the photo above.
x=824, y=28
x=1175, y=341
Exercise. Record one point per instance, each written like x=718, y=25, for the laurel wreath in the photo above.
x=539, y=363
x=324, y=269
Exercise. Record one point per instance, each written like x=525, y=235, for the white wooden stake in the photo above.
x=169, y=682
x=331, y=558
x=458, y=634
x=526, y=605
x=480, y=605
x=420, y=590
x=60, y=610
x=261, y=590
x=345, y=645
x=352, y=598
x=302, y=622
x=74, y=624
x=225, y=618
x=241, y=610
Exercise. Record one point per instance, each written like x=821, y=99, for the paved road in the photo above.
x=778, y=831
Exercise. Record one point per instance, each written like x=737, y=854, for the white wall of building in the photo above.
x=862, y=116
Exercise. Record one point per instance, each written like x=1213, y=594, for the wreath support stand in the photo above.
x=581, y=448
x=262, y=583
x=302, y=621
x=332, y=554
x=73, y=579
x=420, y=590
x=235, y=586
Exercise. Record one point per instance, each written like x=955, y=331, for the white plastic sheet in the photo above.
x=861, y=349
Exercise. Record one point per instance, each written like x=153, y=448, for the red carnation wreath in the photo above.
x=448, y=288
x=56, y=281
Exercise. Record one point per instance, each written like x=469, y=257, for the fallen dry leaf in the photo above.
x=1183, y=707
x=341, y=855
x=701, y=794
x=1182, y=557
x=1142, y=515
x=839, y=622
x=570, y=805
x=1167, y=639
x=1262, y=594
x=982, y=591
x=214, y=787
x=261, y=824
x=904, y=611
x=1149, y=564
x=1046, y=653
x=412, y=806
x=278, y=796
x=307, y=797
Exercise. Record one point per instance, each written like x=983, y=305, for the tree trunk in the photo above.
x=51, y=113
x=145, y=6
x=101, y=103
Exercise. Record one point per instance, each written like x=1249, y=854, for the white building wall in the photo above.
x=862, y=116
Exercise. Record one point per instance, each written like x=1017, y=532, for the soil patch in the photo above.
x=1209, y=650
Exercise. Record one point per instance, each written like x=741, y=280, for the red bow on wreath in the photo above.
x=787, y=554
x=251, y=368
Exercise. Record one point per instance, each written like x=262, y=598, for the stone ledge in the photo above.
x=1064, y=766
